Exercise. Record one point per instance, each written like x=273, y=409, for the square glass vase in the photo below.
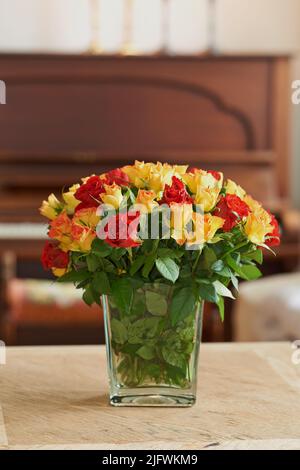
x=152, y=360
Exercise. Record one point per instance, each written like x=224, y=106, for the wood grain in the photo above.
x=78, y=115
x=57, y=397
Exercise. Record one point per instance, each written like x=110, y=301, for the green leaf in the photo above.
x=256, y=256
x=236, y=267
x=149, y=263
x=75, y=276
x=88, y=296
x=168, y=253
x=174, y=358
x=187, y=334
x=137, y=264
x=108, y=266
x=82, y=284
x=118, y=331
x=101, y=248
x=183, y=305
x=251, y=272
x=167, y=268
x=101, y=283
x=136, y=282
x=208, y=292
x=185, y=272
x=209, y=257
x=235, y=281
x=144, y=328
x=139, y=304
x=218, y=266
x=92, y=263
x=156, y=303
x=226, y=272
x=153, y=370
x=122, y=293
x=117, y=253
x=176, y=375
x=246, y=272
x=221, y=308
x=222, y=290
x=146, y=352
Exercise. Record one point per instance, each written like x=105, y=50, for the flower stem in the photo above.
x=129, y=250
x=236, y=248
x=196, y=261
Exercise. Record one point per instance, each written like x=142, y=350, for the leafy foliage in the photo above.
x=204, y=274
x=147, y=345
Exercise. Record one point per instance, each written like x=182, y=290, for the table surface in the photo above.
x=57, y=398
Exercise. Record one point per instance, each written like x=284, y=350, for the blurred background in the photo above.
x=95, y=84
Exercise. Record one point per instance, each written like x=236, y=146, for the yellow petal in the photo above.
x=233, y=188
x=112, y=196
x=59, y=272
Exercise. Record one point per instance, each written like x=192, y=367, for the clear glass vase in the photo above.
x=152, y=362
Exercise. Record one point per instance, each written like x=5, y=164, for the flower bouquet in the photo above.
x=152, y=243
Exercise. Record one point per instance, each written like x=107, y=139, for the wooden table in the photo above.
x=56, y=398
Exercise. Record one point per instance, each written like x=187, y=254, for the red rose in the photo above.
x=193, y=170
x=121, y=230
x=118, y=177
x=274, y=239
x=215, y=174
x=231, y=208
x=54, y=257
x=176, y=193
x=89, y=193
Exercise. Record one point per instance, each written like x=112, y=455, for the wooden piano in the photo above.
x=71, y=116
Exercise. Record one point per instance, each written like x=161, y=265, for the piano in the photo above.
x=69, y=116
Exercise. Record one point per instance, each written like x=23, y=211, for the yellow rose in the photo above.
x=70, y=199
x=138, y=173
x=113, y=195
x=207, y=198
x=159, y=176
x=181, y=215
x=212, y=224
x=205, y=187
x=233, y=188
x=151, y=176
x=180, y=170
x=83, y=240
x=87, y=218
x=83, y=230
x=51, y=207
x=254, y=205
x=208, y=190
x=191, y=180
x=259, y=222
x=147, y=200
x=204, y=228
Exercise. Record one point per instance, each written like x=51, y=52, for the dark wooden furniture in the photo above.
x=71, y=116
x=67, y=116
